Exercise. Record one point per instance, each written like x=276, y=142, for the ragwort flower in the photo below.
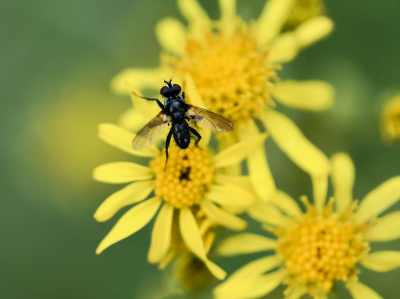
x=324, y=245
x=390, y=120
x=234, y=66
x=190, y=192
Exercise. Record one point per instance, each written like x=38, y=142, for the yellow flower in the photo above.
x=324, y=245
x=390, y=120
x=233, y=66
x=190, y=192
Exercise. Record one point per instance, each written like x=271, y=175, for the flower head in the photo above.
x=317, y=248
x=390, y=120
x=190, y=191
x=234, y=67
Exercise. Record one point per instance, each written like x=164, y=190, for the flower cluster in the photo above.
x=232, y=68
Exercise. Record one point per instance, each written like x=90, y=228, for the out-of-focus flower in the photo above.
x=390, y=120
x=302, y=11
x=191, y=192
x=233, y=66
x=192, y=273
x=324, y=245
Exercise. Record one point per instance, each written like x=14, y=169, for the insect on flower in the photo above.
x=178, y=114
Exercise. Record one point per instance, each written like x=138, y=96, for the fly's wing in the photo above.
x=210, y=119
x=150, y=132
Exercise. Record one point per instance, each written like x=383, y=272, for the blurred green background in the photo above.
x=56, y=62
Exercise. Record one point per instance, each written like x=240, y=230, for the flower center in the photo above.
x=319, y=250
x=231, y=72
x=186, y=178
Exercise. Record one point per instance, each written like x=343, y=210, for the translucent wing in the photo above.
x=150, y=132
x=210, y=119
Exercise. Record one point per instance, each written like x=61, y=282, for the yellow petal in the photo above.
x=266, y=284
x=226, y=195
x=320, y=188
x=161, y=235
x=242, y=182
x=122, y=139
x=239, y=151
x=130, y=222
x=313, y=30
x=361, y=291
x=284, y=48
x=382, y=261
x=132, y=120
x=194, y=14
x=140, y=78
x=260, y=174
x=148, y=109
x=378, y=200
x=321, y=295
x=256, y=267
x=272, y=18
x=343, y=174
x=290, y=140
x=267, y=213
x=132, y=193
x=224, y=143
x=194, y=98
x=246, y=243
x=122, y=172
x=306, y=95
x=228, y=14
x=297, y=293
x=257, y=163
x=287, y=204
x=192, y=238
x=387, y=228
x=250, y=287
x=171, y=35
x=221, y=217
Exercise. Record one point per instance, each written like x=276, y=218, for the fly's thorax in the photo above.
x=177, y=109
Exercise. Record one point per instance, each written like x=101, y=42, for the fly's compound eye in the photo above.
x=164, y=90
x=177, y=88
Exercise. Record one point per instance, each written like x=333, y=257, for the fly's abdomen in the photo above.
x=181, y=134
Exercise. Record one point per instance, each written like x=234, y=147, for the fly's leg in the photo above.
x=167, y=142
x=195, y=133
x=161, y=105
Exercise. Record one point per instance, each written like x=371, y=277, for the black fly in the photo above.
x=176, y=112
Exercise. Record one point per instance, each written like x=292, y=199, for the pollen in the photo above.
x=230, y=71
x=187, y=176
x=320, y=250
x=390, y=120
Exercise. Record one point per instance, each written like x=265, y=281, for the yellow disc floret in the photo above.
x=187, y=176
x=319, y=250
x=230, y=71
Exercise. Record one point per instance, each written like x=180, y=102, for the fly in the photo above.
x=178, y=114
